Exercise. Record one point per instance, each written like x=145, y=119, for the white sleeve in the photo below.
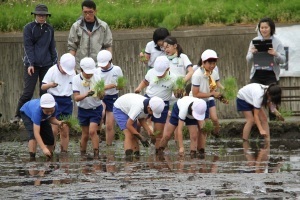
x=48, y=76
x=196, y=78
x=148, y=48
x=75, y=84
x=186, y=61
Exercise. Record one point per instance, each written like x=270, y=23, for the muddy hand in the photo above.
x=143, y=140
x=279, y=117
x=90, y=93
x=153, y=138
x=47, y=152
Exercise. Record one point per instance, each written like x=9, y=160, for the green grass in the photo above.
x=128, y=14
x=208, y=126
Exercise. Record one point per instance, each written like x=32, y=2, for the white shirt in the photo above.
x=253, y=94
x=154, y=53
x=132, y=105
x=200, y=80
x=88, y=102
x=64, y=82
x=110, y=76
x=183, y=106
x=162, y=87
x=178, y=65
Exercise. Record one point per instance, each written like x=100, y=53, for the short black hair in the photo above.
x=88, y=4
x=270, y=22
x=160, y=34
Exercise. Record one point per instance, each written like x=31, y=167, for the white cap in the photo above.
x=67, y=63
x=47, y=101
x=207, y=54
x=157, y=105
x=161, y=64
x=198, y=109
x=103, y=58
x=88, y=65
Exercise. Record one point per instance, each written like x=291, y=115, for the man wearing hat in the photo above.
x=36, y=115
x=58, y=82
x=89, y=34
x=40, y=54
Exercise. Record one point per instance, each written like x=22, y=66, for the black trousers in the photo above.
x=29, y=85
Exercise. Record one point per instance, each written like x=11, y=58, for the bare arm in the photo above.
x=198, y=94
x=37, y=136
x=189, y=74
x=141, y=86
x=180, y=136
x=79, y=97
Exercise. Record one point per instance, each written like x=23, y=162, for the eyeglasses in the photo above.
x=90, y=12
x=41, y=15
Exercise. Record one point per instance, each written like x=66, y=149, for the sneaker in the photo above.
x=15, y=120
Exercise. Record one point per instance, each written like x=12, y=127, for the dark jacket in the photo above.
x=39, y=45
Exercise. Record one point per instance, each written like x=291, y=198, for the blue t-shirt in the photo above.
x=34, y=111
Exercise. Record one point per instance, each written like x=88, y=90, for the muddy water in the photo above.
x=231, y=169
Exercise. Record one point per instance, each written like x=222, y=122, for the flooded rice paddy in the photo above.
x=231, y=169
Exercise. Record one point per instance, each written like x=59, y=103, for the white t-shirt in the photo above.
x=132, y=105
x=160, y=87
x=110, y=76
x=179, y=65
x=154, y=53
x=64, y=82
x=202, y=81
x=253, y=94
x=195, y=67
x=183, y=106
x=88, y=102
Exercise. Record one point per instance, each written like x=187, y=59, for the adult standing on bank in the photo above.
x=40, y=54
x=88, y=35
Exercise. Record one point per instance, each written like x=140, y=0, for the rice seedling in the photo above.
x=99, y=89
x=208, y=126
x=121, y=82
x=285, y=112
x=179, y=87
x=142, y=56
x=72, y=122
x=231, y=88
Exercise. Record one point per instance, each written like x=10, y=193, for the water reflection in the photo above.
x=223, y=157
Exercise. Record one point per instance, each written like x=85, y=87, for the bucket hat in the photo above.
x=41, y=9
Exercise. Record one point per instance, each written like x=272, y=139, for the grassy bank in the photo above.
x=128, y=14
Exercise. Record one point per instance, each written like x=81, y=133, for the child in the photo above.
x=159, y=82
x=180, y=64
x=89, y=107
x=36, y=115
x=132, y=107
x=188, y=110
x=58, y=83
x=110, y=74
x=155, y=48
x=251, y=99
x=204, y=85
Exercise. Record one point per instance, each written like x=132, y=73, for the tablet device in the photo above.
x=262, y=45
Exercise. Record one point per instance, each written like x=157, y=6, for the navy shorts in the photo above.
x=122, y=118
x=65, y=106
x=45, y=131
x=242, y=105
x=210, y=104
x=174, y=117
x=164, y=114
x=86, y=116
x=109, y=101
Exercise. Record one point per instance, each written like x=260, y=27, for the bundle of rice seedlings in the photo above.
x=231, y=88
x=179, y=87
x=72, y=122
x=285, y=113
x=99, y=89
x=208, y=126
x=121, y=82
x=143, y=58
